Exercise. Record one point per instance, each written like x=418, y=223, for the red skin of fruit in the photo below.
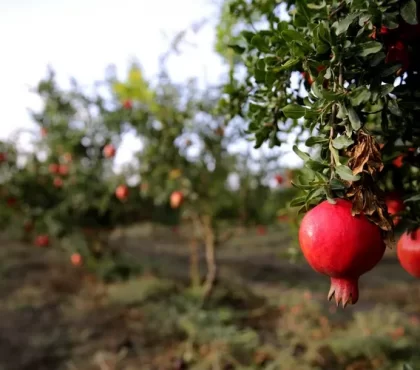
x=177, y=198
x=3, y=157
x=54, y=168
x=398, y=52
x=76, y=259
x=279, y=179
x=58, y=182
x=63, y=170
x=43, y=132
x=11, y=201
x=340, y=245
x=408, y=252
x=121, y=192
x=261, y=230
x=42, y=241
x=395, y=205
x=109, y=151
x=128, y=104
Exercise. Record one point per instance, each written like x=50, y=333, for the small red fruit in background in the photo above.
x=3, y=157
x=127, y=104
x=261, y=230
x=408, y=252
x=11, y=201
x=121, y=192
x=341, y=246
x=76, y=259
x=177, y=198
x=28, y=226
x=42, y=240
x=395, y=205
x=109, y=151
x=58, y=182
x=279, y=179
x=398, y=52
x=63, y=170
x=54, y=168
x=43, y=132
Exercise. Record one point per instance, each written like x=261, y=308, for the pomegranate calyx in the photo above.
x=344, y=290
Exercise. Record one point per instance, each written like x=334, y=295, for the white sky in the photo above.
x=80, y=38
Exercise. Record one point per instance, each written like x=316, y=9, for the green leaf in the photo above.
x=354, y=119
x=336, y=184
x=394, y=108
x=386, y=89
x=313, y=140
x=343, y=25
x=315, y=165
x=370, y=47
x=359, y=96
x=237, y=49
x=390, y=70
x=298, y=201
x=294, y=111
x=407, y=367
x=414, y=198
x=409, y=12
x=346, y=173
x=289, y=64
x=292, y=35
x=302, y=155
x=342, y=142
x=315, y=193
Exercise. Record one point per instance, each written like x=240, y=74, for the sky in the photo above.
x=80, y=38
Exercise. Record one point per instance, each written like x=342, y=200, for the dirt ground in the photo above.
x=267, y=313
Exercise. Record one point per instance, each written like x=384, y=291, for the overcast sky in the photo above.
x=80, y=38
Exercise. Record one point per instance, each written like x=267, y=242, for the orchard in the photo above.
x=193, y=254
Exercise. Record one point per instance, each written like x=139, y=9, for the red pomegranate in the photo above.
x=109, y=151
x=3, y=157
x=58, y=182
x=76, y=259
x=42, y=240
x=398, y=52
x=122, y=192
x=44, y=132
x=261, y=230
x=177, y=198
x=54, y=168
x=279, y=179
x=395, y=205
x=127, y=104
x=340, y=245
x=408, y=252
x=63, y=170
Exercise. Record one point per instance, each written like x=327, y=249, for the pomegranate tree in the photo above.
x=345, y=76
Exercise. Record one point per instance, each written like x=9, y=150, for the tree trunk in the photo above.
x=209, y=241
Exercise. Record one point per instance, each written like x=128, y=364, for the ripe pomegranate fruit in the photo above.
x=395, y=205
x=408, y=252
x=54, y=168
x=398, y=52
x=42, y=240
x=261, y=230
x=58, y=182
x=109, y=151
x=340, y=245
x=11, y=201
x=279, y=179
x=44, y=132
x=122, y=192
x=76, y=259
x=3, y=157
x=63, y=170
x=177, y=198
x=127, y=104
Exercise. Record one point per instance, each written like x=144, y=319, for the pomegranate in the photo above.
x=395, y=205
x=44, y=132
x=122, y=192
x=11, y=201
x=3, y=157
x=54, y=168
x=63, y=170
x=279, y=179
x=340, y=245
x=177, y=198
x=76, y=259
x=398, y=52
x=261, y=230
x=42, y=240
x=127, y=104
x=58, y=182
x=109, y=151
x=408, y=252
